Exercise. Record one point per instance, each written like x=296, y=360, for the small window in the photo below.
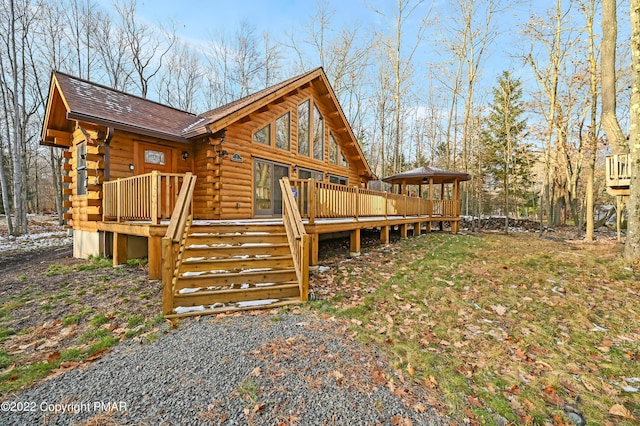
x=81, y=169
x=283, y=134
x=343, y=161
x=303, y=128
x=340, y=180
x=153, y=157
x=318, y=134
x=333, y=149
x=263, y=135
x=308, y=174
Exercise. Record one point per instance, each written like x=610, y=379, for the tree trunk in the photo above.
x=632, y=246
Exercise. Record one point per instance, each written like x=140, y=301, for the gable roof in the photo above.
x=98, y=104
x=420, y=174
x=72, y=98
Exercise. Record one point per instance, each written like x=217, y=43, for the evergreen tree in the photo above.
x=507, y=160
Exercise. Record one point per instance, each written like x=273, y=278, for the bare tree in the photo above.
x=144, y=44
x=112, y=52
x=402, y=65
x=181, y=81
x=632, y=245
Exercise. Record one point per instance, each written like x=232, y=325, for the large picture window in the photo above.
x=263, y=135
x=283, y=135
x=318, y=134
x=333, y=149
x=303, y=128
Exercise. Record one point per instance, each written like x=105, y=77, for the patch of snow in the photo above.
x=247, y=271
x=323, y=269
x=187, y=309
x=196, y=246
x=255, y=244
x=245, y=285
x=240, y=256
x=188, y=290
x=256, y=303
x=219, y=271
x=264, y=284
x=194, y=259
x=192, y=274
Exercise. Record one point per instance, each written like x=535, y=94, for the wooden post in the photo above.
x=313, y=252
x=155, y=197
x=403, y=230
x=312, y=201
x=416, y=229
x=304, y=285
x=118, y=199
x=430, y=199
x=355, y=243
x=119, y=248
x=384, y=234
x=357, y=202
x=168, y=267
x=155, y=257
x=386, y=204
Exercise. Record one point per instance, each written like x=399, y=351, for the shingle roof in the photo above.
x=102, y=105
x=418, y=174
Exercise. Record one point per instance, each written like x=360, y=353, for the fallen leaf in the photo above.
x=256, y=372
x=395, y=296
x=258, y=408
x=410, y=370
x=420, y=408
x=621, y=411
x=499, y=309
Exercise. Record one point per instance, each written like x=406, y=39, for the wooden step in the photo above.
x=209, y=297
x=229, y=229
x=226, y=279
x=228, y=251
x=200, y=239
x=234, y=308
x=236, y=264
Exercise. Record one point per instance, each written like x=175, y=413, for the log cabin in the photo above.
x=228, y=205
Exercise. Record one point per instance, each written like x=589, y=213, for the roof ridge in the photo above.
x=263, y=92
x=111, y=89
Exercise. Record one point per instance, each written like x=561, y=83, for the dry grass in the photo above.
x=516, y=328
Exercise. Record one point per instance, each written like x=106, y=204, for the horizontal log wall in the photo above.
x=236, y=179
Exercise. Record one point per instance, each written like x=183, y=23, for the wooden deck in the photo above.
x=223, y=265
x=618, y=174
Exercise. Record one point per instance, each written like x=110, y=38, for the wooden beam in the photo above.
x=154, y=254
x=119, y=248
x=384, y=235
x=355, y=242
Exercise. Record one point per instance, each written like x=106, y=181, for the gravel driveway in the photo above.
x=256, y=368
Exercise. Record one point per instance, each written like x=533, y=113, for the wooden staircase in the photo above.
x=231, y=267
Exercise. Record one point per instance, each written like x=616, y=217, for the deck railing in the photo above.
x=618, y=170
x=174, y=240
x=318, y=199
x=148, y=197
x=297, y=237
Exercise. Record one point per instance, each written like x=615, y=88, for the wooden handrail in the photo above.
x=297, y=236
x=318, y=199
x=174, y=240
x=618, y=170
x=147, y=197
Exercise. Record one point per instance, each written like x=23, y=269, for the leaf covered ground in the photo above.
x=501, y=328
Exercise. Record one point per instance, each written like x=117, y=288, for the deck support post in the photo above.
x=168, y=268
x=155, y=257
x=313, y=252
x=428, y=228
x=403, y=230
x=355, y=243
x=119, y=248
x=417, y=229
x=384, y=234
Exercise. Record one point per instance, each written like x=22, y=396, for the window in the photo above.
x=343, y=161
x=263, y=135
x=340, y=180
x=308, y=174
x=318, y=134
x=153, y=157
x=81, y=170
x=333, y=149
x=303, y=128
x=283, y=134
